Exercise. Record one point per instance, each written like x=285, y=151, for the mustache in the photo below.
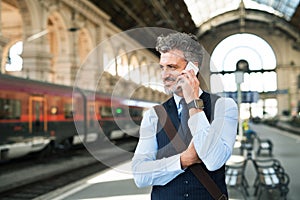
x=169, y=79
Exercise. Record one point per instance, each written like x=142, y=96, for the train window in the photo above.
x=136, y=112
x=68, y=111
x=10, y=109
x=105, y=111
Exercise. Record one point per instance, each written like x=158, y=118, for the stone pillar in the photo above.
x=88, y=74
x=3, y=42
x=74, y=57
x=62, y=71
x=37, y=60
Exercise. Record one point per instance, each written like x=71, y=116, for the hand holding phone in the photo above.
x=191, y=66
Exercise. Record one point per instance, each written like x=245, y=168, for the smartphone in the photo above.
x=190, y=66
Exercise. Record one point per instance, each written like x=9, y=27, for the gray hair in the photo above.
x=187, y=43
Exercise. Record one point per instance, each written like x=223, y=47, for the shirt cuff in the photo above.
x=198, y=122
x=174, y=163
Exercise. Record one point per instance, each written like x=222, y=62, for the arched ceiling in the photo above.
x=189, y=15
x=11, y=20
x=128, y=14
x=202, y=10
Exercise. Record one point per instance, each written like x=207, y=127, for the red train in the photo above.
x=37, y=116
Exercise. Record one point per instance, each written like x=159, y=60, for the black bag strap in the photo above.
x=197, y=169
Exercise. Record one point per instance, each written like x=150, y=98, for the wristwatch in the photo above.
x=196, y=103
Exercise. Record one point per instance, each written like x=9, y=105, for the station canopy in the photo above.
x=203, y=10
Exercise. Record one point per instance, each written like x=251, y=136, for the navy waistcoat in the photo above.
x=185, y=185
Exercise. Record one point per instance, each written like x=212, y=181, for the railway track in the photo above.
x=38, y=188
x=46, y=183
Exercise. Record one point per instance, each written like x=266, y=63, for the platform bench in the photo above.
x=235, y=178
x=270, y=177
x=264, y=145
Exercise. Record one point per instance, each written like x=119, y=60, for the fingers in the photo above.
x=189, y=83
x=190, y=76
x=187, y=77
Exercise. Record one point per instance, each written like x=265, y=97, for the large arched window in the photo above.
x=134, y=70
x=153, y=78
x=12, y=25
x=109, y=60
x=58, y=41
x=14, y=60
x=84, y=44
x=122, y=65
x=261, y=77
x=144, y=73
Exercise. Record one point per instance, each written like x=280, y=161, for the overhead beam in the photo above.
x=164, y=13
x=251, y=15
x=131, y=14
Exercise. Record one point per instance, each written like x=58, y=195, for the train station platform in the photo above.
x=112, y=184
x=117, y=183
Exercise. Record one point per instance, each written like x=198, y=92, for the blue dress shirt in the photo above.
x=213, y=143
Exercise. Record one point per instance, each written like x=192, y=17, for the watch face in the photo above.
x=196, y=103
x=199, y=103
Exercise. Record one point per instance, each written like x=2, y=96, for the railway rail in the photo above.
x=41, y=184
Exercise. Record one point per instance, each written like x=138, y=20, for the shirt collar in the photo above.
x=178, y=98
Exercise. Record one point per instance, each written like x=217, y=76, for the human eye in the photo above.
x=172, y=67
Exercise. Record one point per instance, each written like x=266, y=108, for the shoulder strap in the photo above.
x=197, y=169
x=166, y=123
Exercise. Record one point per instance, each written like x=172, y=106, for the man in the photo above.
x=156, y=162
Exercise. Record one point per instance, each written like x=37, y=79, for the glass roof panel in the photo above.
x=286, y=7
x=203, y=10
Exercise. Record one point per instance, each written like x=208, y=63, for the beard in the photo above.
x=170, y=86
x=169, y=91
